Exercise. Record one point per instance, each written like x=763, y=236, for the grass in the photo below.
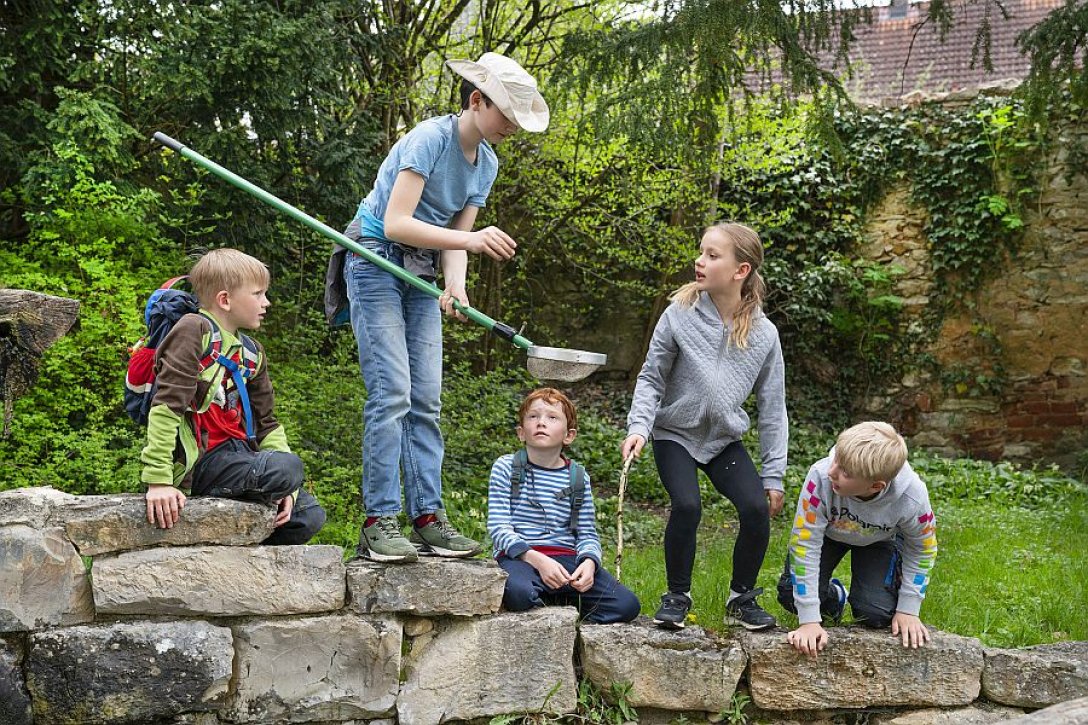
x=1010, y=575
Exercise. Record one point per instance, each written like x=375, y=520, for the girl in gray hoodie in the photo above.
x=711, y=349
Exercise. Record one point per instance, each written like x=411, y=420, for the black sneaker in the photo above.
x=745, y=611
x=673, y=611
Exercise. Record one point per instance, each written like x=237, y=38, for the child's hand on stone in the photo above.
x=911, y=629
x=582, y=579
x=810, y=638
x=164, y=505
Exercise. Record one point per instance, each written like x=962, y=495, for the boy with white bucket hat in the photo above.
x=420, y=215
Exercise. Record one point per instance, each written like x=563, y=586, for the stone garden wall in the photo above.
x=1028, y=329
x=199, y=625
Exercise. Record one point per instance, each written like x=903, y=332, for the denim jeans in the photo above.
x=398, y=329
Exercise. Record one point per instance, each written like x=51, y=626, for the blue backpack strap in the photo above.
x=238, y=373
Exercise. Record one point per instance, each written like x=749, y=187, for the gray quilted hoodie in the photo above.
x=693, y=383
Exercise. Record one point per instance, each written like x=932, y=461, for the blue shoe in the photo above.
x=841, y=593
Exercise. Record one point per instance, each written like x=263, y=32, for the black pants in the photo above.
x=875, y=573
x=606, y=602
x=734, y=476
x=234, y=470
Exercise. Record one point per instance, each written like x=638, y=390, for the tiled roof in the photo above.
x=886, y=64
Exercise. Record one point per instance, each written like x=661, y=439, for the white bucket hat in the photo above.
x=509, y=86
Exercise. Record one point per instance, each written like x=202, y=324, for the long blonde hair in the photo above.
x=747, y=247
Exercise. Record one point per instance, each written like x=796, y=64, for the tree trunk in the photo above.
x=29, y=323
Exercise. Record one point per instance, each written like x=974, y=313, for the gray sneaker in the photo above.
x=441, y=539
x=383, y=541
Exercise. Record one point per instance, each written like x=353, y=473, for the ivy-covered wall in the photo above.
x=1007, y=372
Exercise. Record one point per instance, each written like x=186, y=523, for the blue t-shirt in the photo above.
x=433, y=150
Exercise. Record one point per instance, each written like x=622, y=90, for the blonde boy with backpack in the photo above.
x=210, y=425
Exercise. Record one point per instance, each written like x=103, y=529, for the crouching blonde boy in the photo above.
x=210, y=425
x=540, y=516
x=863, y=499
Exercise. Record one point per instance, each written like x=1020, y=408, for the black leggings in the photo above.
x=734, y=476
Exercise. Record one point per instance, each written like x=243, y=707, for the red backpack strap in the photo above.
x=169, y=284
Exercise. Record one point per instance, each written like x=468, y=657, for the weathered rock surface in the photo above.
x=319, y=668
x=480, y=668
x=32, y=506
x=430, y=587
x=135, y=672
x=221, y=581
x=1036, y=676
x=42, y=580
x=686, y=670
x=981, y=713
x=1073, y=712
x=864, y=668
x=105, y=524
x=14, y=699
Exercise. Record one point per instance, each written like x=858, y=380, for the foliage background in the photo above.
x=305, y=98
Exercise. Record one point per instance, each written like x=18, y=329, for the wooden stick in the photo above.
x=619, y=516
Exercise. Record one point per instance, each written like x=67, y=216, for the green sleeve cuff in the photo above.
x=157, y=456
x=276, y=440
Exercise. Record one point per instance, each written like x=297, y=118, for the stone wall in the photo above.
x=199, y=625
x=1035, y=305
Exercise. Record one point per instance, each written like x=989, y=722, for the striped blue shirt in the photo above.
x=537, y=517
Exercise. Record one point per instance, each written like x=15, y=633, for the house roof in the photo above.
x=900, y=52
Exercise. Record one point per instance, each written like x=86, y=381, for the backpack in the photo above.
x=164, y=308
x=575, y=491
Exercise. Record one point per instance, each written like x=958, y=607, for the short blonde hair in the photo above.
x=871, y=451
x=225, y=269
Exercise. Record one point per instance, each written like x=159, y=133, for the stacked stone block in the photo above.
x=105, y=619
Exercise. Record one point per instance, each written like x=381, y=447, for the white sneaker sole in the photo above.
x=733, y=621
x=391, y=558
x=429, y=550
x=666, y=624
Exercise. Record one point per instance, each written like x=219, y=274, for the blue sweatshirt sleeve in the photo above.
x=500, y=519
x=588, y=543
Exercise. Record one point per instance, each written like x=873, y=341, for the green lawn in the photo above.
x=1010, y=576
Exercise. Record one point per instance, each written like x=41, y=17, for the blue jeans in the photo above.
x=398, y=329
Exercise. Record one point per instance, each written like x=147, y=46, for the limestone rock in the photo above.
x=1036, y=676
x=430, y=587
x=320, y=668
x=417, y=626
x=487, y=666
x=864, y=668
x=221, y=581
x=686, y=670
x=14, y=699
x=131, y=672
x=981, y=713
x=1073, y=712
x=42, y=580
x=32, y=506
x=105, y=524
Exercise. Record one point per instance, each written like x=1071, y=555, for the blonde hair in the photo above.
x=747, y=248
x=871, y=451
x=225, y=269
